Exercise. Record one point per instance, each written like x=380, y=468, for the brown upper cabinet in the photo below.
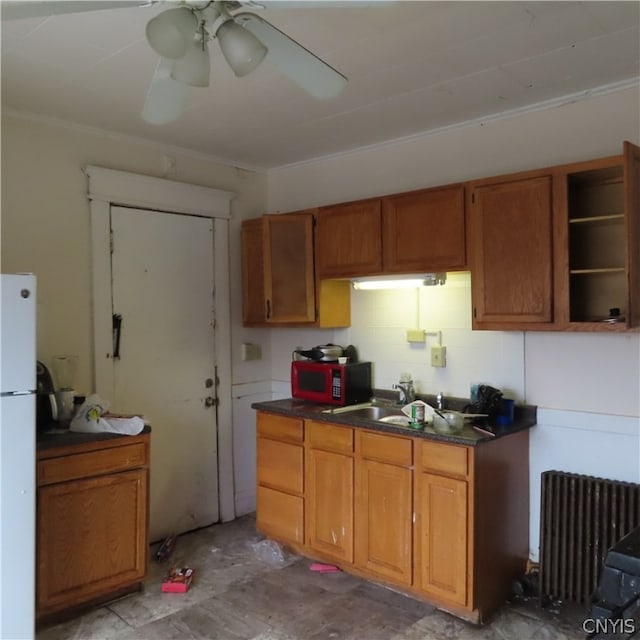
x=289, y=287
x=402, y=233
x=599, y=222
x=424, y=231
x=349, y=239
x=278, y=276
x=558, y=248
x=253, y=300
x=511, y=250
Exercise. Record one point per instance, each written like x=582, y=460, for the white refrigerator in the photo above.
x=17, y=456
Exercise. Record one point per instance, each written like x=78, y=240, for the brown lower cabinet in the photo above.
x=443, y=521
x=383, y=506
x=92, y=522
x=329, y=494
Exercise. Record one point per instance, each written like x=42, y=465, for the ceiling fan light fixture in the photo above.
x=241, y=49
x=170, y=32
x=194, y=67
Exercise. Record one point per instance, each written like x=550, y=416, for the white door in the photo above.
x=163, y=289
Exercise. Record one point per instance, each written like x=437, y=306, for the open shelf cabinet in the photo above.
x=602, y=220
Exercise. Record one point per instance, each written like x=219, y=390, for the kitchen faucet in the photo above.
x=407, y=392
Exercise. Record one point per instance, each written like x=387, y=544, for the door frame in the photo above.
x=109, y=187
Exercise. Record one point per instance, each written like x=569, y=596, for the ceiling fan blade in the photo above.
x=165, y=98
x=294, y=61
x=16, y=10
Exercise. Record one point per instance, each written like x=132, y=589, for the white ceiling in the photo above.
x=412, y=66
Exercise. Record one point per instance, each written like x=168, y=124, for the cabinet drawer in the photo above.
x=384, y=448
x=280, y=427
x=280, y=465
x=93, y=463
x=449, y=459
x=280, y=515
x=329, y=437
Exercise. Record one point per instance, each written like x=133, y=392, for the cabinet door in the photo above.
x=329, y=504
x=632, y=210
x=253, y=299
x=424, y=231
x=288, y=268
x=348, y=240
x=511, y=241
x=91, y=538
x=384, y=520
x=441, y=537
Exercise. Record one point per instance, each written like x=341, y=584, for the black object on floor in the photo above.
x=618, y=591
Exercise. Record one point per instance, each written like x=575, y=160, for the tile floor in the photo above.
x=242, y=590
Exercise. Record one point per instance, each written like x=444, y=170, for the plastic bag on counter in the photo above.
x=92, y=417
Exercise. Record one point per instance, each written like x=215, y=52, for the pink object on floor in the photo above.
x=324, y=568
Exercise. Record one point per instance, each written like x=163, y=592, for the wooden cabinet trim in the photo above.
x=329, y=437
x=286, y=429
x=93, y=463
x=386, y=448
x=447, y=459
x=280, y=515
x=280, y=465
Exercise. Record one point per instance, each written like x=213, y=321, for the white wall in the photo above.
x=45, y=230
x=587, y=387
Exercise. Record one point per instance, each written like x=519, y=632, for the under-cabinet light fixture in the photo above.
x=427, y=280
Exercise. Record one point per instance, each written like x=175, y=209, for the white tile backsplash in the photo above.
x=380, y=320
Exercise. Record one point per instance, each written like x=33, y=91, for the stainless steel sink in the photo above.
x=375, y=410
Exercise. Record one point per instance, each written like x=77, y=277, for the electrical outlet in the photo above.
x=251, y=351
x=438, y=356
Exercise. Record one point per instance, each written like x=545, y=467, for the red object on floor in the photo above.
x=324, y=568
x=178, y=580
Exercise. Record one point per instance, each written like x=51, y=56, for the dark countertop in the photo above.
x=524, y=418
x=54, y=438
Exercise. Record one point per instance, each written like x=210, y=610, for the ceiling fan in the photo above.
x=180, y=36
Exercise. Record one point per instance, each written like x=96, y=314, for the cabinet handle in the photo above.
x=268, y=309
